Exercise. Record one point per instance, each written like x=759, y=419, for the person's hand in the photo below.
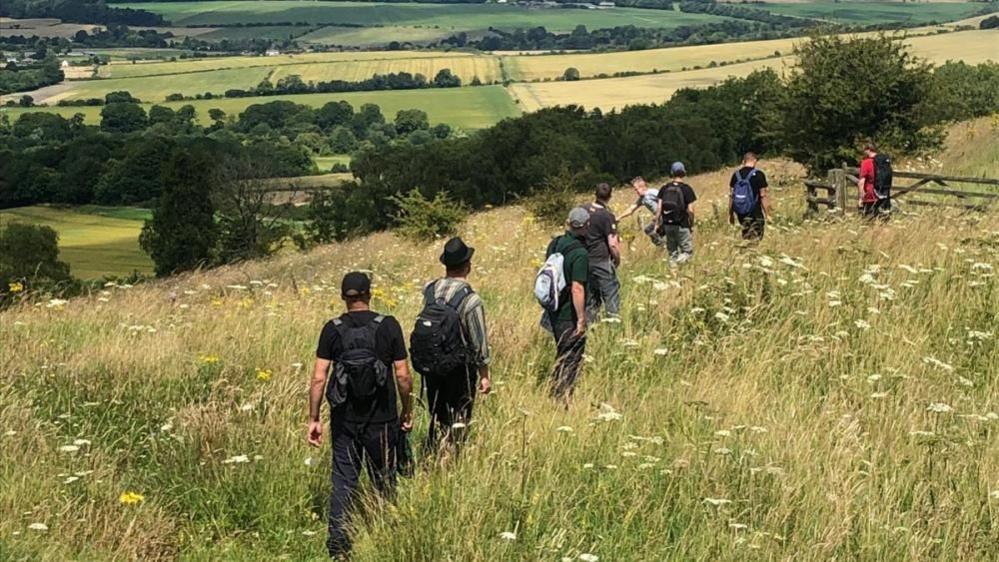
x=315, y=433
x=485, y=385
x=580, y=327
x=407, y=421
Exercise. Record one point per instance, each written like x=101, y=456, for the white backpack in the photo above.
x=550, y=280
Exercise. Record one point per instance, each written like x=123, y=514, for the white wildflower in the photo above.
x=721, y=316
x=723, y=451
x=662, y=351
x=69, y=448
x=921, y=433
x=867, y=279
x=81, y=442
x=41, y=527
x=309, y=461
x=70, y=479
x=563, y=429
x=236, y=459
x=717, y=502
x=994, y=494
x=879, y=395
x=587, y=557
x=939, y=408
x=508, y=536
x=738, y=526
x=862, y=324
x=723, y=433
x=937, y=363
x=611, y=320
x=965, y=381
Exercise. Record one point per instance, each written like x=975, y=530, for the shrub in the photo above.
x=420, y=219
x=551, y=202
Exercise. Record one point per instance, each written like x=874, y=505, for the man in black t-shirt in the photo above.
x=753, y=223
x=364, y=418
x=604, y=249
x=675, y=215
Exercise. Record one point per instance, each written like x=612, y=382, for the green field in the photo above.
x=94, y=241
x=467, y=108
x=868, y=13
x=324, y=163
x=273, y=32
x=155, y=88
x=454, y=17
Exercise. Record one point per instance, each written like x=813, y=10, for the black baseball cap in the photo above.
x=355, y=284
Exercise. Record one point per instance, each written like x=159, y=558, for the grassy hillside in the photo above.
x=94, y=241
x=864, y=13
x=829, y=394
x=453, y=17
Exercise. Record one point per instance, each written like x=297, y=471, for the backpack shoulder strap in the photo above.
x=752, y=173
x=459, y=297
x=428, y=293
x=551, y=246
x=372, y=328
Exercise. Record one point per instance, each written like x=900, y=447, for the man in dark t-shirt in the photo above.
x=676, y=215
x=754, y=222
x=568, y=322
x=364, y=427
x=604, y=249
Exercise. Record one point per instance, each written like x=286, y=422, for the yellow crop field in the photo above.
x=467, y=67
x=539, y=67
x=614, y=93
x=128, y=70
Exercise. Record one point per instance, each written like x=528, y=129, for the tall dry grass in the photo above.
x=828, y=394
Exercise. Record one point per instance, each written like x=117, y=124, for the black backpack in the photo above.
x=357, y=372
x=882, y=176
x=673, y=202
x=437, y=344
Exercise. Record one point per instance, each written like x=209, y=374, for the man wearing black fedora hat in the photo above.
x=450, y=346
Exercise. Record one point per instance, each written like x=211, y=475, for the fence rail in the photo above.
x=840, y=187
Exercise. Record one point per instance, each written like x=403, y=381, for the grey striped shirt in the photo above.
x=472, y=313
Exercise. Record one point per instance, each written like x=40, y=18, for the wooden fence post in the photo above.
x=837, y=178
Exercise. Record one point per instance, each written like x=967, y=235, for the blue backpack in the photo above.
x=744, y=199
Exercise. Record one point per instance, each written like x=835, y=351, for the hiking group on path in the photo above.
x=364, y=354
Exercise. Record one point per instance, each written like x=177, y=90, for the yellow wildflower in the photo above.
x=130, y=498
x=208, y=359
x=217, y=302
x=264, y=375
x=15, y=287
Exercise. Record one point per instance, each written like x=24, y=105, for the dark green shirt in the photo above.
x=576, y=266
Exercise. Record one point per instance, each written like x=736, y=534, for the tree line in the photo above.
x=16, y=77
x=79, y=11
x=46, y=158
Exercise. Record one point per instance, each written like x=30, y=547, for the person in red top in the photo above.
x=870, y=204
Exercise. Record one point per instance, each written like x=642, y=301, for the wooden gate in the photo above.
x=840, y=190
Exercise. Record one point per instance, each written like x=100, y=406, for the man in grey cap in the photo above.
x=568, y=321
x=676, y=215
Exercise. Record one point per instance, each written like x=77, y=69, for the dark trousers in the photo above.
x=752, y=226
x=879, y=209
x=568, y=358
x=604, y=289
x=450, y=399
x=374, y=445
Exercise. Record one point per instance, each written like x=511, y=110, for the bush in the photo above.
x=29, y=259
x=421, y=219
x=551, y=202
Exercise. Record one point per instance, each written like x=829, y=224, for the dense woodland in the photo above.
x=24, y=77
x=78, y=11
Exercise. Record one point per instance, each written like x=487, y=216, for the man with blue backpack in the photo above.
x=749, y=200
x=365, y=350
x=450, y=346
x=561, y=288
